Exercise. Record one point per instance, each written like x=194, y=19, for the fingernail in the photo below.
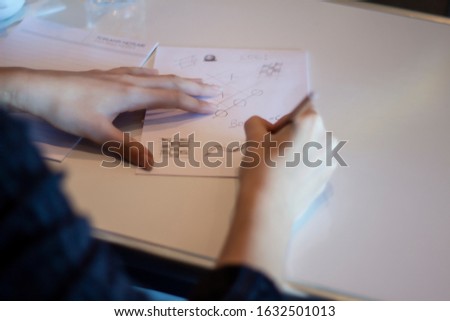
x=207, y=108
x=214, y=90
x=216, y=87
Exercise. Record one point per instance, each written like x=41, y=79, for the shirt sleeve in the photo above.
x=47, y=252
x=236, y=283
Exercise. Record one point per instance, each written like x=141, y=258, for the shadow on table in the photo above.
x=436, y=7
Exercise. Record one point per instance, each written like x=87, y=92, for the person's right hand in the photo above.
x=273, y=195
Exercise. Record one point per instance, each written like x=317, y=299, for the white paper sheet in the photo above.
x=42, y=44
x=268, y=83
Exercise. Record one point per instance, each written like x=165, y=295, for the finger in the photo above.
x=127, y=147
x=136, y=71
x=310, y=121
x=304, y=107
x=256, y=128
x=311, y=129
x=308, y=113
x=137, y=153
x=139, y=98
x=192, y=87
x=287, y=126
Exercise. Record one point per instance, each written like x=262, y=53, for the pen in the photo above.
x=295, y=113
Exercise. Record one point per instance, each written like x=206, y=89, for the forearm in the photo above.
x=29, y=90
x=258, y=237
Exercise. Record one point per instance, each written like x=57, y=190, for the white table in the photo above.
x=382, y=79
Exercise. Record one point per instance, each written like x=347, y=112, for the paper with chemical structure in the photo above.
x=267, y=83
x=41, y=44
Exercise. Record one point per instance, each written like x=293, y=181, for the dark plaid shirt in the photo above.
x=47, y=252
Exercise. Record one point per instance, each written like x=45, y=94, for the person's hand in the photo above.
x=276, y=187
x=86, y=103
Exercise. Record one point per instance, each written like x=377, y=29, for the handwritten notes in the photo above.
x=267, y=83
x=42, y=44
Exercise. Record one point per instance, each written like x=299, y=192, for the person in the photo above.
x=47, y=250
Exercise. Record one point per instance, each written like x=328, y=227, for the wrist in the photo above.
x=259, y=234
x=12, y=83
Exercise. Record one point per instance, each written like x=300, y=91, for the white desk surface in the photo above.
x=383, y=84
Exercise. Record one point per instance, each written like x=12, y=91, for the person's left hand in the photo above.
x=86, y=103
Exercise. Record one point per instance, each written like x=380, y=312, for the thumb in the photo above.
x=125, y=146
x=256, y=127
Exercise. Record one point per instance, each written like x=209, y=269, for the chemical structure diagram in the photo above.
x=239, y=99
x=270, y=70
x=187, y=62
x=232, y=81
